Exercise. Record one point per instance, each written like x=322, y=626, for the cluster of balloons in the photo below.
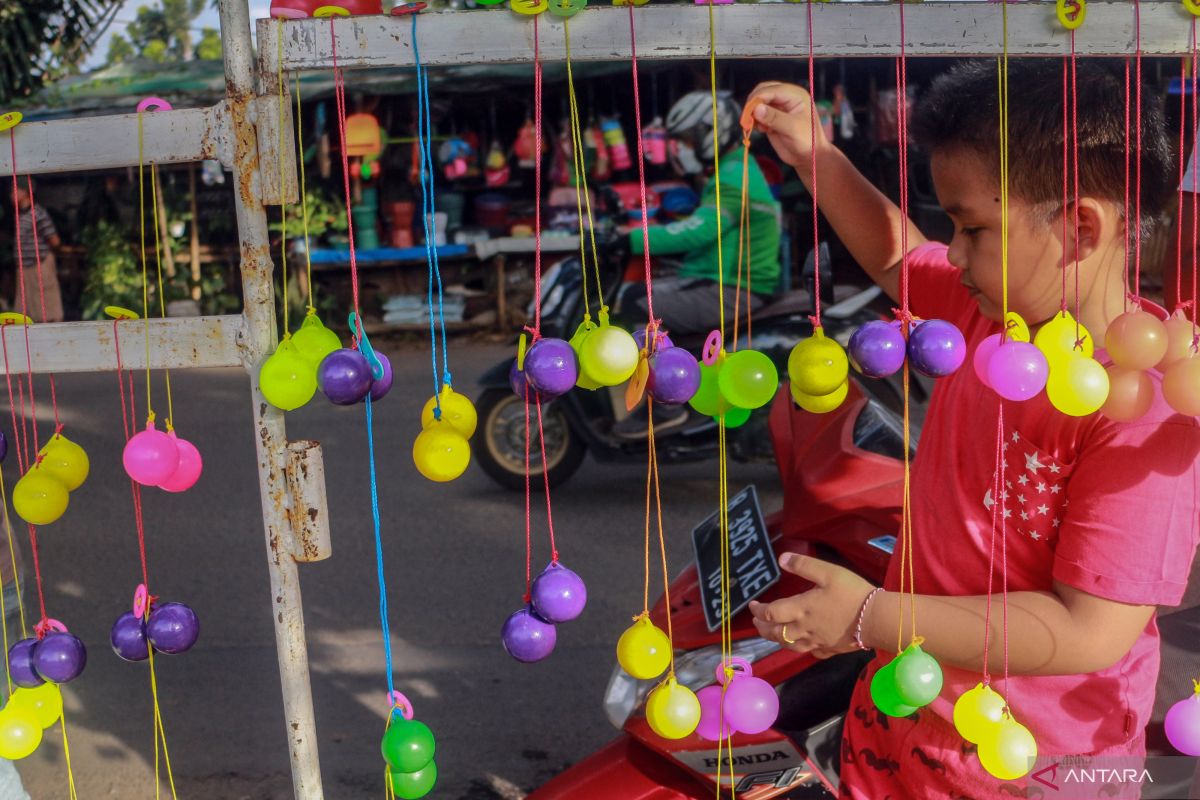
x=442, y=450
x=644, y=651
x=735, y=384
x=155, y=458
x=1006, y=748
x=170, y=628
x=408, y=748
x=22, y=720
x=1138, y=341
x=58, y=657
x=42, y=493
x=1182, y=723
x=819, y=372
x=909, y=681
x=737, y=703
x=288, y=378
x=935, y=348
x=1077, y=384
x=557, y=595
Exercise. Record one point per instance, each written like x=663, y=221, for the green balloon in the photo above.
x=918, y=677
x=748, y=379
x=411, y=785
x=707, y=400
x=407, y=746
x=883, y=692
x=735, y=417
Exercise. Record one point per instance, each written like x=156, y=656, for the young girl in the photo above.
x=1101, y=517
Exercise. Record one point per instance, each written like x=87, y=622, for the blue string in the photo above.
x=424, y=137
x=383, y=605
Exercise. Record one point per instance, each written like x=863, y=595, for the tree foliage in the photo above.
x=41, y=40
x=163, y=32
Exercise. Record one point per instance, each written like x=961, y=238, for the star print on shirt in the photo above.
x=1023, y=480
x=1043, y=509
x=1016, y=437
x=1035, y=535
x=1024, y=516
x=1032, y=464
x=1056, y=522
x=1041, y=487
x=1055, y=468
x=1055, y=489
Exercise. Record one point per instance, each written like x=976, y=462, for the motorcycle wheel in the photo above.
x=502, y=456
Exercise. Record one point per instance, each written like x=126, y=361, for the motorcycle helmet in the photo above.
x=690, y=128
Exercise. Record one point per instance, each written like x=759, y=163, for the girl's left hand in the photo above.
x=820, y=621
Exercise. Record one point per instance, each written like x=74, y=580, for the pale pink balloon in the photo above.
x=983, y=356
x=190, y=466
x=151, y=456
x=1181, y=386
x=1130, y=394
x=1180, y=333
x=711, y=727
x=1136, y=340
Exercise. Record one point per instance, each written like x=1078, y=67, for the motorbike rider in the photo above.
x=689, y=301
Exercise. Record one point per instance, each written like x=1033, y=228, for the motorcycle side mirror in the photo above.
x=809, y=273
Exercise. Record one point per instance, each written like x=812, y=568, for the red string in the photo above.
x=1128, y=219
x=37, y=257
x=902, y=142
x=812, y=123
x=1195, y=178
x=1075, y=155
x=1183, y=76
x=546, y=480
x=21, y=282
x=1066, y=161
x=1137, y=258
x=528, y=512
x=997, y=514
x=637, y=121
x=129, y=423
x=537, y=184
x=339, y=94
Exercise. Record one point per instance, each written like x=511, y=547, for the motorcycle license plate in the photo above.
x=751, y=563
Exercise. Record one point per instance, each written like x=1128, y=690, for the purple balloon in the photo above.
x=936, y=348
x=3, y=445
x=516, y=380
x=877, y=349
x=527, y=637
x=674, y=376
x=751, y=704
x=713, y=726
x=128, y=638
x=664, y=341
x=559, y=595
x=1183, y=725
x=551, y=367
x=1017, y=371
x=173, y=628
x=20, y=664
x=60, y=657
x=381, y=386
x=344, y=376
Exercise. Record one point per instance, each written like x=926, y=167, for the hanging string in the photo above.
x=998, y=495
x=537, y=182
x=12, y=556
x=1195, y=184
x=743, y=250
x=583, y=196
x=1075, y=173
x=283, y=259
x=641, y=159
x=424, y=137
x=1066, y=162
x=145, y=266
x=339, y=94
x=24, y=301
x=37, y=257
x=304, y=199
x=812, y=122
x=162, y=300
x=377, y=526
x=1128, y=219
x=1137, y=258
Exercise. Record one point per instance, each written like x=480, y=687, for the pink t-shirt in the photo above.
x=1110, y=508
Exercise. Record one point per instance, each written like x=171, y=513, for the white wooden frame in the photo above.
x=242, y=133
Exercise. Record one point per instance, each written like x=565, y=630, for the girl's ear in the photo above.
x=1097, y=223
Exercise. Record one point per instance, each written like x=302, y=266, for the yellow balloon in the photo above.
x=977, y=712
x=643, y=650
x=818, y=366
x=44, y=702
x=672, y=710
x=1015, y=325
x=39, y=498
x=1009, y=752
x=1056, y=339
x=821, y=404
x=441, y=453
x=20, y=733
x=457, y=410
x=286, y=379
x=1077, y=386
x=576, y=342
x=314, y=341
x=65, y=460
x=608, y=356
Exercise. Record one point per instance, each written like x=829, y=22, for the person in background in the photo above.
x=29, y=290
x=1178, y=259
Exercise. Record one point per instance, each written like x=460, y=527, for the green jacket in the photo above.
x=696, y=236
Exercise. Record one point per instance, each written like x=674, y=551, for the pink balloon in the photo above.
x=190, y=466
x=751, y=704
x=151, y=456
x=1183, y=725
x=1018, y=371
x=983, y=355
x=711, y=726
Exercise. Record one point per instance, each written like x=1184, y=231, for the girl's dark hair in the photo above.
x=961, y=110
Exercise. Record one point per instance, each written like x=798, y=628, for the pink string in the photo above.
x=1195, y=181
x=812, y=123
x=1066, y=201
x=1128, y=219
x=528, y=512
x=339, y=94
x=637, y=121
x=1183, y=77
x=546, y=480
x=997, y=514
x=1137, y=259
x=537, y=182
x=129, y=423
x=24, y=305
x=1075, y=150
x=902, y=142
x=37, y=256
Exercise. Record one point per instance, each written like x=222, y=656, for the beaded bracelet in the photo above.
x=862, y=613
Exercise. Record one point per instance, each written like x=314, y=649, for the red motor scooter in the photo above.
x=842, y=475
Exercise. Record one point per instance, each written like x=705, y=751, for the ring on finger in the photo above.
x=783, y=635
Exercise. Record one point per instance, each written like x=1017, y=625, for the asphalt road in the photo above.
x=455, y=570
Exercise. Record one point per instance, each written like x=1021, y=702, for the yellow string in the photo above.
x=1004, y=161
x=283, y=264
x=581, y=184
x=145, y=275
x=712, y=69
x=162, y=298
x=12, y=554
x=67, y=751
x=304, y=197
x=160, y=730
x=662, y=539
x=4, y=626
